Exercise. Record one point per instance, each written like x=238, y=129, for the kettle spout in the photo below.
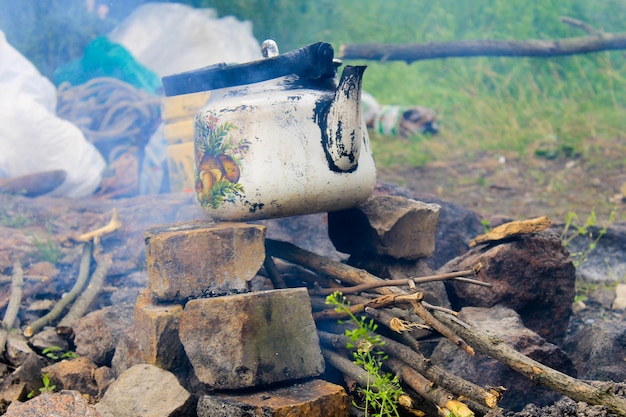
x=344, y=129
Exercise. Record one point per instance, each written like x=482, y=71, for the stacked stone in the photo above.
x=390, y=237
x=198, y=310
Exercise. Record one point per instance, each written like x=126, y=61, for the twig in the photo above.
x=379, y=302
x=14, y=303
x=424, y=366
x=324, y=266
x=83, y=275
x=579, y=24
x=80, y=307
x=445, y=331
x=405, y=281
x=16, y=295
x=273, y=272
x=537, y=372
x=97, y=234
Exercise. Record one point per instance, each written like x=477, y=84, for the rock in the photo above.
x=127, y=353
x=533, y=275
x=156, y=328
x=607, y=261
x=26, y=378
x=194, y=259
x=58, y=404
x=504, y=323
x=455, y=228
x=599, y=351
x=17, y=349
x=391, y=226
x=48, y=337
x=146, y=391
x=316, y=398
x=75, y=374
x=98, y=333
x=253, y=339
x=104, y=377
x=603, y=296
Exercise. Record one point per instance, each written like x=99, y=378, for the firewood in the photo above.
x=83, y=275
x=537, y=372
x=14, y=303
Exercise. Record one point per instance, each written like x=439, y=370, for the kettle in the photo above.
x=280, y=136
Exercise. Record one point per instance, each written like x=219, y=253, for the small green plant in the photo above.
x=573, y=229
x=48, y=250
x=46, y=388
x=17, y=221
x=382, y=390
x=485, y=224
x=56, y=353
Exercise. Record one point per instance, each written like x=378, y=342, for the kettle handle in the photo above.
x=314, y=61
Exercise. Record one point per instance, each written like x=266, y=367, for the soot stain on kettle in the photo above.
x=322, y=108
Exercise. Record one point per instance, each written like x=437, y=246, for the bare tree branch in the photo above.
x=530, y=48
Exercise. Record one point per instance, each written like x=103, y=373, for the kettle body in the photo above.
x=284, y=146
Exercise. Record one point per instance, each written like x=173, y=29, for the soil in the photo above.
x=530, y=186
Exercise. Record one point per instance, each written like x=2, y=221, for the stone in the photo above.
x=26, y=378
x=75, y=374
x=104, y=377
x=156, y=329
x=147, y=391
x=393, y=226
x=253, y=339
x=599, y=351
x=196, y=259
x=98, y=333
x=607, y=260
x=532, y=274
x=48, y=337
x=505, y=324
x=57, y=404
x=127, y=352
x=17, y=349
x=456, y=225
x=315, y=398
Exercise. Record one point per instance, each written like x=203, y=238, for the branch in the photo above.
x=95, y=235
x=537, y=372
x=530, y=48
x=83, y=275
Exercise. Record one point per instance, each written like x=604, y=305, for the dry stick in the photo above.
x=324, y=266
x=424, y=366
x=397, y=282
x=348, y=368
x=16, y=295
x=537, y=372
x=355, y=276
x=80, y=307
x=380, y=302
x=14, y=303
x=386, y=319
x=83, y=275
x=273, y=272
x=428, y=318
x=428, y=390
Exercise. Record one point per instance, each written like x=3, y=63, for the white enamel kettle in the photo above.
x=279, y=136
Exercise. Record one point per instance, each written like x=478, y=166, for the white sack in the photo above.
x=170, y=38
x=32, y=138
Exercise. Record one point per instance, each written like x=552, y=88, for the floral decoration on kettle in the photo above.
x=218, y=158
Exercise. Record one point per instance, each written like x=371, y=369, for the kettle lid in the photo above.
x=314, y=62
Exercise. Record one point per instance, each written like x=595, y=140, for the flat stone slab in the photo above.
x=196, y=259
x=252, y=339
x=315, y=398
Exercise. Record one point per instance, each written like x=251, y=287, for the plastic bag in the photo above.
x=170, y=38
x=32, y=138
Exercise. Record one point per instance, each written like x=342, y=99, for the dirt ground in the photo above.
x=529, y=186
